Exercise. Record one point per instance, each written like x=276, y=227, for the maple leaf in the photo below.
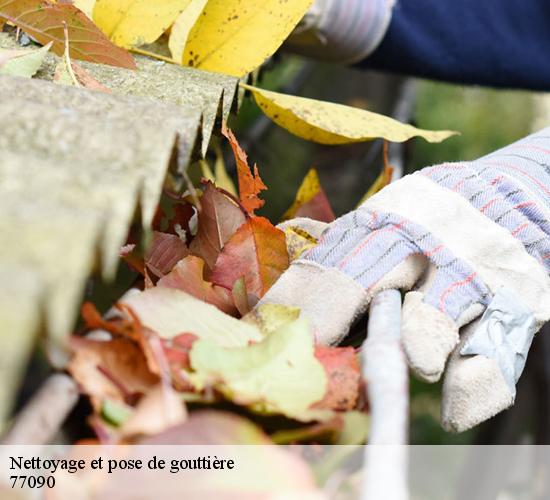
x=188, y=275
x=45, y=21
x=257, y=252
x=218, y=220
x=344, y=376
x=250, y=184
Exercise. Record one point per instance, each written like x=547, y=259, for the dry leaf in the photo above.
x=158, y=410
x=24, y=63
x=330, y=123
x=170, y=312
x=278, y=375
x=218, y=220
x=250, y=184
x=257, y=252
x=165, y=251
x=311, y=201
x=45, y=22
x=236, y=36
x=182, y=27
x=86, y=6
x=130, y=23
x=115, y=369
x=188, y=275
x=298, y=241
x=344, y=375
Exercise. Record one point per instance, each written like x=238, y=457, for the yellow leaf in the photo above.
x=237, y=36
x=130, y=23
x=308, y=189
x=298, y=241
x=182, y=27
x=330, y=123
x=86, y=6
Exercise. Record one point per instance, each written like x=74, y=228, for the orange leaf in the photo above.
x=250, y=184
x=188, y=275
x=218, y=220
x=45, y=21
x=344, y=376
x=256, y=251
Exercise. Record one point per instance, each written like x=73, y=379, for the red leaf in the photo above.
x=318, y=208
x=250, y=184
x=344, y=376
x=218, y=220
x=188, y=275
x=44, y=21
x=311, y=201
x=256, y=251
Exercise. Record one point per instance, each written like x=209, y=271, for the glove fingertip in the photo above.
x=474, y=390
x=429, y=336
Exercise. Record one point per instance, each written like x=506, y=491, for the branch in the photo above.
x=42, y=417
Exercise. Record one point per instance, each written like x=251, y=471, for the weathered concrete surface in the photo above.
x=74, y=167
x=214, y=94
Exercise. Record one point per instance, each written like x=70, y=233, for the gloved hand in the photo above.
x=344, y=31
x=467, y=239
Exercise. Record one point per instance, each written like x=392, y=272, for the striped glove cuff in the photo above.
x=344, y=31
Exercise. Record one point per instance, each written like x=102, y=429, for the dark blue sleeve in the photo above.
x=500, y=43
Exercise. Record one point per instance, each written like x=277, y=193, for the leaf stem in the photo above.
x=142, y=52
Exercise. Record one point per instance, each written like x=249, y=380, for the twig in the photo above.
x=385, y=367
x=385, y=370
x=42, y=417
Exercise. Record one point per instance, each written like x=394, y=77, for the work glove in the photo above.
x=344, y=31
x=470, y=244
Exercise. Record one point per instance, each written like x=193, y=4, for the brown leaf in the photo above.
x=165, y=251
x=115, y=369
x=250, y=184
x=45, y=21
x=256, y=251
x=344, y=376
x=188, y=275
x=218, y=220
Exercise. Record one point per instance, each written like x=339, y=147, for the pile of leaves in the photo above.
x=195, y=334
